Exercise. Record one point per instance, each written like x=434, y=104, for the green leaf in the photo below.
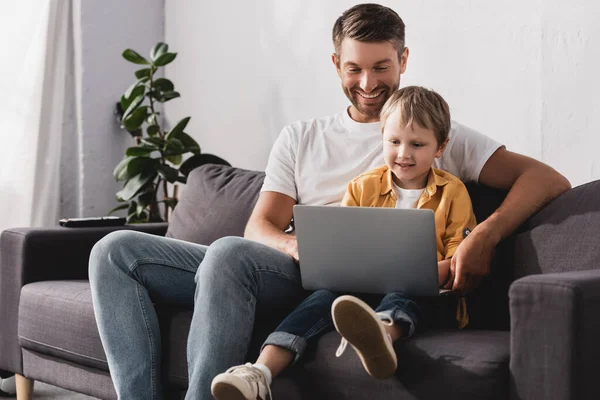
x=166, y=96
x=144, y=199
x=117, y=208
x=198, y=160
x=132, y=166
x=152, y=130
x=154, y=142
x=135, y=184
x=164, y=84
x=138, y=152
x=136, y=92
x=178, y=128
x=175, y=160
x=170, y=174
x=136, y=119
x=152, y=119
x=144, y=73
x=134, y=57
x=135, y=103
x=158, y=50
x=174, y=147
x=127, y=93
x=165, y=59
x=121, y=168
x=189, y=144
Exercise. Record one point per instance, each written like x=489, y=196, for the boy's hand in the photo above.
x=471, y=261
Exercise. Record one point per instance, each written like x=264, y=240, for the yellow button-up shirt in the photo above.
x=444, y=194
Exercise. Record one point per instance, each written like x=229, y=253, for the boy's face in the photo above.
x=409, y=152
x=370, y=73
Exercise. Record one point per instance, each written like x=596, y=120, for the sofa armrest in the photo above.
x=38, y=254
x=554, y=350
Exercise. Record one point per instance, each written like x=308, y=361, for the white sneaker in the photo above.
x=242, y=382
x=358, y=324
x=8, y=386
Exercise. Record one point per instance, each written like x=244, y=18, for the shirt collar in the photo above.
x=433, y=181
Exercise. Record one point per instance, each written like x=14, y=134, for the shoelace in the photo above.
x=344, y=343
x=251, y=373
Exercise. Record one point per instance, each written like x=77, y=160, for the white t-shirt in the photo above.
x=313, y=161
x=407, y=198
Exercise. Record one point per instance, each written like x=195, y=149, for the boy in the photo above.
x=415, y=122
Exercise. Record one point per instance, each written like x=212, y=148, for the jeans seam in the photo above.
x=316, y=327
x=137, y=263
x=263, y=270
x=151, y=340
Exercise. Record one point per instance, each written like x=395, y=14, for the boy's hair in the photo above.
x=369, y=23
x=422, y=106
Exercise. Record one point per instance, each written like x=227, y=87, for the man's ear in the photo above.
x=336, y=61
x=442, y=148
x=404, y=60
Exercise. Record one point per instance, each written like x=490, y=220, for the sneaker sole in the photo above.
x=225, y=391
x=360, y=326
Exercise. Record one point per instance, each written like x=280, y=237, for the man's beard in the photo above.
x=374, y=110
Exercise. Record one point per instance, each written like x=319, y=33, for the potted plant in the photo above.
x=160, y=159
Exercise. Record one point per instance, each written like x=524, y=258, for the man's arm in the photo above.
x=270, y=218
x=532, y=185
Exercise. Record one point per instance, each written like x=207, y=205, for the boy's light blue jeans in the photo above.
x=226, y=283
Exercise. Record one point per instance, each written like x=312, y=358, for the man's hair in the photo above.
x=369, y=23
x=422, y=106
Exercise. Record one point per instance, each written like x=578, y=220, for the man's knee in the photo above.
x=226, y=255
x=109, y=253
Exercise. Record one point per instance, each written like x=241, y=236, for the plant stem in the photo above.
x=166, y=196
x=160, y=132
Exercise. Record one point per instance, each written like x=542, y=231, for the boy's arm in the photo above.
x=532, y=185
x=270, y=217
x=349, y=199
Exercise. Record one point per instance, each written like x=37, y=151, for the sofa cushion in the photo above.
x=56, y=318
x=435, y=365
x=217, y=202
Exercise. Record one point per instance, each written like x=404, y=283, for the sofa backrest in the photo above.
x=563, y=236
x=217, y=202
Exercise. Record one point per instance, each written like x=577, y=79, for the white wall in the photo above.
x=521, y=72
x=102, y=30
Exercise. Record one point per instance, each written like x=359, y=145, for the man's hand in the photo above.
x=291, y=247
x=471, y=261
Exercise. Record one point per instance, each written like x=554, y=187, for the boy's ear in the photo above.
x=442, y=148
x=336, y=61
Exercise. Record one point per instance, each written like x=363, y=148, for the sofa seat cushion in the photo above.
x=435, y=365
x=57, y=318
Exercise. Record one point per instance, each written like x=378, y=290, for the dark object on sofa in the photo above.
x=548, y=350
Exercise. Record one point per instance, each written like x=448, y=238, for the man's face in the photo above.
x=370, y=73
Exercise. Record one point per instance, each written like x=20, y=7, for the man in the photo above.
x=311, y=163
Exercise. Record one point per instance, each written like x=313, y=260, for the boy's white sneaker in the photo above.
x=242, y=382
x=360, y=326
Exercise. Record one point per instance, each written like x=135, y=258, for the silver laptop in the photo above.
x=367, y=250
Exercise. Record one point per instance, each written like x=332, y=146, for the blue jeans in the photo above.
x=312, y=318
x=226, y=283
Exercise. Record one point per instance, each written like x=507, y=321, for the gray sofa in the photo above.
x=534, y=321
